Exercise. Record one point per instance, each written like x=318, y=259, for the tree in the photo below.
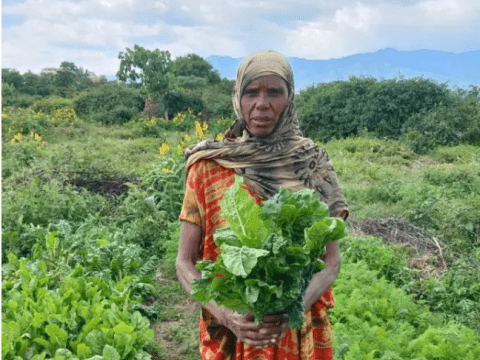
x=12, y=77
x=194, y=65
x=67, y=74
x=150, y=67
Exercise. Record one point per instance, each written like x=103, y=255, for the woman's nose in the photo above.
x=262, y=100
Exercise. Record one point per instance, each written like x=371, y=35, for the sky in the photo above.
x=38, y=34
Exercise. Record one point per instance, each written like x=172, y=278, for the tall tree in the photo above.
x=194, y=65
x=67, y=74
x=12, y=77
x=151, y=68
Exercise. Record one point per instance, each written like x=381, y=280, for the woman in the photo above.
x=265, y=146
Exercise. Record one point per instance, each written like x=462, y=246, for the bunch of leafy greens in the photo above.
x=269, y=253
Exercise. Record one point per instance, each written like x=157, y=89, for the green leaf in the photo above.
x=202, y=290
x=56, y=334
x=242, y=214
x=226, y=236
x=109, y=353
x=83, y=351
x=38, y=319
x=241, y=261
x=64, y=354
x=252, y=293
x=5, y=345
x=323, y=232
x=123, y=328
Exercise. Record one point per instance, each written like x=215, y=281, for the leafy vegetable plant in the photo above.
x=269, y=253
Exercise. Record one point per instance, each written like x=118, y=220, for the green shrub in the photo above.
x=174, y=102
x=49, y=105
x=345, y=108
x=117, y=116
x=97, y=102
x=444, y=126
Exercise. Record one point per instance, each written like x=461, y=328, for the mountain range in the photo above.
x=457, y=70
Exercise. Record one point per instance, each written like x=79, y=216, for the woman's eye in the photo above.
x=275, y=93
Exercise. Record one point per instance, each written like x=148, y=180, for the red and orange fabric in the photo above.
x=205, y=186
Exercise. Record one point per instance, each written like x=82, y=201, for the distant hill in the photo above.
x=459, y=70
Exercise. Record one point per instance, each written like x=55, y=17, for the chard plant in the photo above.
x=269, y=253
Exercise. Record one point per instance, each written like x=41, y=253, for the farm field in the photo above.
x=90, y=229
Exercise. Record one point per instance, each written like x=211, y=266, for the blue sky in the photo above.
x=37, y=34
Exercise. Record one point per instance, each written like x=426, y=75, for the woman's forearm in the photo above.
x=186, y=273
x=322, y=280
x=319, y=284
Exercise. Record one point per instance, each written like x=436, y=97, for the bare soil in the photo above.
x=424, y=251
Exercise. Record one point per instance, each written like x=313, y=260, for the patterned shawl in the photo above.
x=284, y=158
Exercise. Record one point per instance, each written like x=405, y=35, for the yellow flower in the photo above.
x=165, y=170
x=198, y=130
x=187, y=138
x=219, y=137
x=164, y=148
x=36, y=136
x=4, y=115
x=13, y=141
x=44, y=142
x=205, y=126
x=18, y=136
x=65, y=114
x=153, y=121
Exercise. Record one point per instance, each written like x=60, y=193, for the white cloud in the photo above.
x=364, y=27
x=93, y=32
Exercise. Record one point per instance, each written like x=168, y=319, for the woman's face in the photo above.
x=262, y=103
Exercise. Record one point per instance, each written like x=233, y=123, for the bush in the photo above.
x=341, y=109
x=111, y=103
x=11, y=97
x=50, y=105
x=174, y=103
x=444, y=126
x=119, y=115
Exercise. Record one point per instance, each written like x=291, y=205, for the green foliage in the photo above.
x=444, y=126
x=11, y=77
x=341, y=109
x=34, y=206
x=119, y=115
x=457, y=295
x=174, y=102
x=77, y=317
x=109, y=103
x=194, y=65
x=11, y=97
x=269, y=253
x=150, y=67
x=49, y=105
x=166, y=190
x=374, y=320
x=218, y=100
x=390, y=262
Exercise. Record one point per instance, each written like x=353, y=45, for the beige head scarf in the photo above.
x=284, y=158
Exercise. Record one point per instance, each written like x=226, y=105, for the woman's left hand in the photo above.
x=275, y=324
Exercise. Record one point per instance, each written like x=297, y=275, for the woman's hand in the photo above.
x=268, y=333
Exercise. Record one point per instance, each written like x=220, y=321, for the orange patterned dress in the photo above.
x=205, y=186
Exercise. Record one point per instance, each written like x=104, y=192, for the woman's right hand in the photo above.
x=268, y=333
